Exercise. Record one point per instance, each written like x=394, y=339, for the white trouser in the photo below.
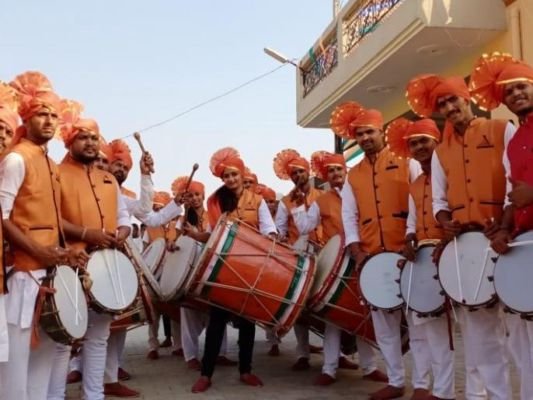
x=486, y=363
x=367, y=356
x=153, y=333
x=271, y=337
x=301, y=332
x=115, y=349
x=525, y=334
x=387, y=329
x=175, y=331
x=193, y=322
x=76, y=363
x=58, y=378
x=513, y=324
x=430, y=348
x=94, y=355
x=26, y=375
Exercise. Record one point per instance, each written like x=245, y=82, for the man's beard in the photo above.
x=85, y=159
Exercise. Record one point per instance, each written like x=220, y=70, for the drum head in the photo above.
x=177, y=267
x=379, y=281
x=154, y=253
x=471, y=253
x=68, y=298
x=327, y=260
x=419, y=285
x=115, y=282
x=147, y=274
x=513, y=275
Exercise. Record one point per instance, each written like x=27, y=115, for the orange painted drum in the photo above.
x=252, y=276
x=335, y=296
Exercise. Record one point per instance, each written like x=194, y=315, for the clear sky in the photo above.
x=134, y=63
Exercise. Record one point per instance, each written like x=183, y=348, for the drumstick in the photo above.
x=137, y=137
x=69, y=295
x=119, y=278
x=409, y=289
x=523, y=243
x=457, y=269
x=111, y=277
x=189, y=180
x=485, y=259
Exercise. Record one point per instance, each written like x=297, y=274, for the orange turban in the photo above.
x=248, y=174
x=162, y=198
x=286, y=160
x=401, y=130
x=8, y=106
x=490, y=75
x=265, y=191
x=226, y=157
x=348, y=116
x=105, y=149
x=120, y=151
x=424, y=90
x=72, y=123
x=179, y=186
x=321, y=160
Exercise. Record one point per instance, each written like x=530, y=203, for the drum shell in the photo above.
x=252, y=276
x=141, y=312
x=338, y=300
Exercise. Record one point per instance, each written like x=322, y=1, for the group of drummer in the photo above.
x=413, y=184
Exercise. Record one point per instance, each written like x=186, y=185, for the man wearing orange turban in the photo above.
x=94, y=215
x=29, y=198
x=9, y=119
x=468, y=189
x=289, y=165
x=269, y=195
x=496, y=79
x=326, y=211
x=374, y=213
x=249, y=179
x=429, y=336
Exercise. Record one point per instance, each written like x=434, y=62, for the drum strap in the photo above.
x=41, y=297
x=447, y=310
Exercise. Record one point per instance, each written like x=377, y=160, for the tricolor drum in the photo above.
x=252, y=276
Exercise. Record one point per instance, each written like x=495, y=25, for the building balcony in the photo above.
x=373, y=47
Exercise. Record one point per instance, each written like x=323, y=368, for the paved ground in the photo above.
x=168, y=378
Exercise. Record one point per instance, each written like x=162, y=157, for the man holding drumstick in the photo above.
x=468, y=186
x=501, y=79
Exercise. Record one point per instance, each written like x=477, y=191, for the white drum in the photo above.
x=419, y=284
x=138, y=261
x=379, y=281
x=513, y=275
x=177, y=267
x=115, y=281
x=64, y=315
x=466, y=268
x=153, y=256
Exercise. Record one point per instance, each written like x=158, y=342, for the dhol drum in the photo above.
x=64, y=315
x=154, y=256
x=379, y=281
x=115, y=281
x=136, y=257
x=252, y=275
x=141, y=312
x=177, y=267
x=419, y=283
x=513, y=273
x=335, y=295
x=466, y=268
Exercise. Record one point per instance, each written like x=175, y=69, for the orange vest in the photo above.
x=89, y=197
x=248, y=208
x=473, y=167
x=292, y=230
x=167, y=232
x=37, y=207
x=381, y=190
x=330, y=207
x=426, y=225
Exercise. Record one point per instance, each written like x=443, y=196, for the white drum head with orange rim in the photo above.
x=138, y=260
x=153, y=255
x=379, y=281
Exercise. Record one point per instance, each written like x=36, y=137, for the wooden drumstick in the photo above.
x=194, y=169
x=137, y=137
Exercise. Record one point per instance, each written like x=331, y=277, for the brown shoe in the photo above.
x=152, y=355
x=324, y=380
x=344, y=363
x=376, y=376
x=166, y=343
x=420, y=394
x=274, y=351
x=302, y=364
x=226, y=362
x=315, y=349
x=119, y=390
x=201, y=385
x=74, y=377
x=123, y=375
x=388, y=392
x=194, y=364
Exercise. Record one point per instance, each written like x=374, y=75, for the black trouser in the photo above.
x=166, y=326
x=218, y=319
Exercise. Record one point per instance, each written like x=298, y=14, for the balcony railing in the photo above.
x=364, y=19
x=320, y=65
